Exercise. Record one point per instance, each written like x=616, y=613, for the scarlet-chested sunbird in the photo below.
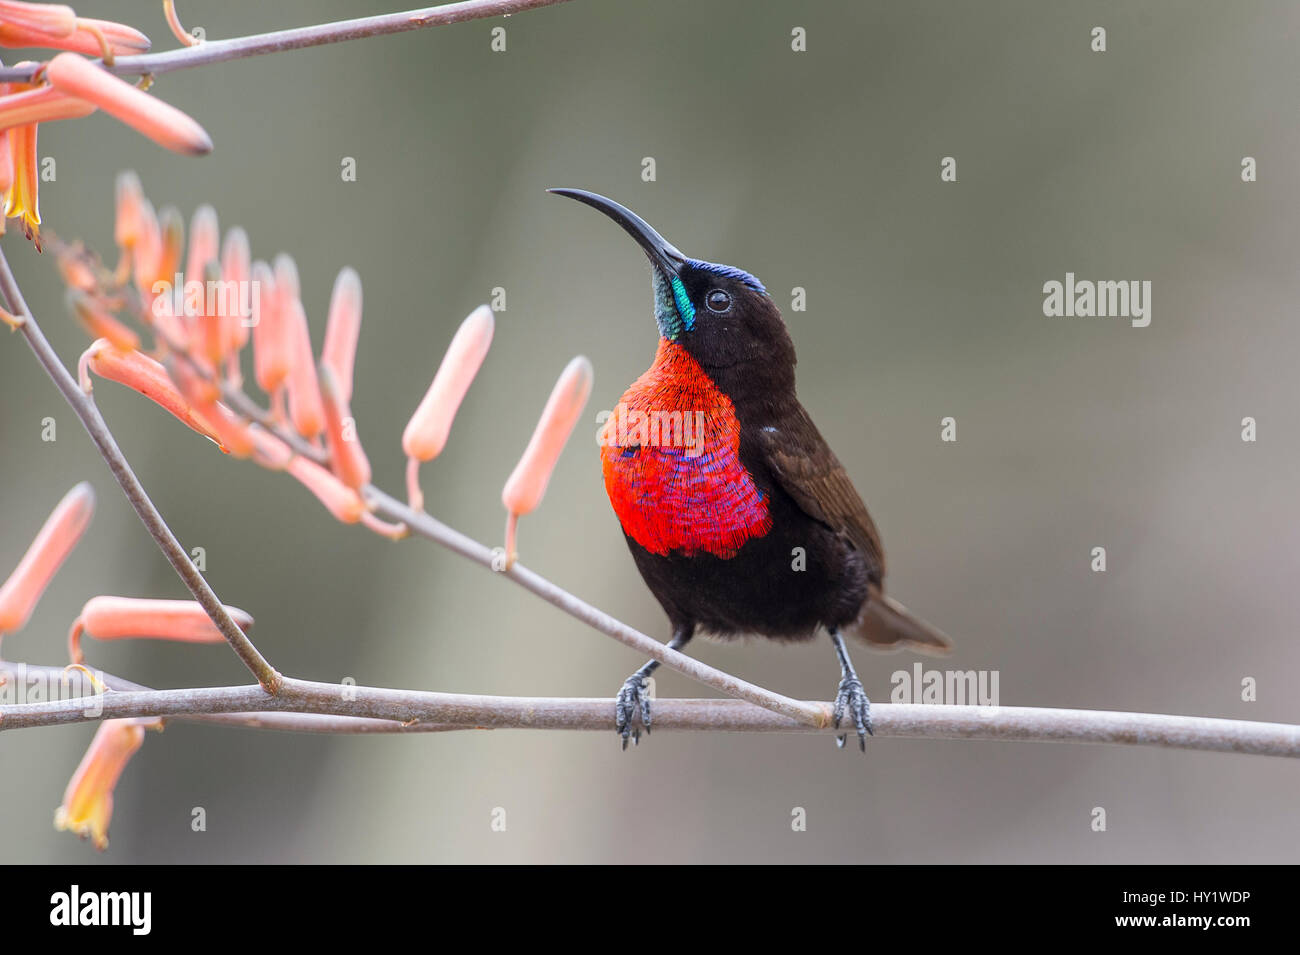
x=738, y=514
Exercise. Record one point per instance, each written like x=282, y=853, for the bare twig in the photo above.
x=413, y=710
x=219, y=51
x=14, y=674
x=86, y=411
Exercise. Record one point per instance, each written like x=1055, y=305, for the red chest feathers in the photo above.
x=671, y=457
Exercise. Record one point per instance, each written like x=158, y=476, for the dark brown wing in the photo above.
x=804, y=465
x=807, y=469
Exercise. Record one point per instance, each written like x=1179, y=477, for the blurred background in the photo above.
x=924, y=300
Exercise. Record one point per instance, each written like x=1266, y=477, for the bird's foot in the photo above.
x=852, y=699
x=632, y=699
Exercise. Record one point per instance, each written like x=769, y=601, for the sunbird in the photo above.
x=738, y=514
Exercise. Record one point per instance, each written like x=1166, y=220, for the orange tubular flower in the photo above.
x=129, y=200
x=209, y=324
x=343, y=502
x=57, y=27
x=21, y=201
x=129, y=225
x=78, y=269
x=117, y=618
x=171, y=230
x=54, y=19
x=269, y=450
x=100, y=323
x=122, y=40
x=306, y=410
x=342, y=331
x=346, y=454
x=55, y=541
x=138, y=371
x=6, y=174
x=88, y=800
x=161, y=122
x=156, y=282
x=146, y=250
x=270, y=342
x=527, y=484
x=6, y=171
x=205, y=242
x=286, y=278
x=426, y=433
x=232, y=431
x=41, y=104
x=235, y=274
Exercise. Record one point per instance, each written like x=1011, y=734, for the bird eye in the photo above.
x=718, y=300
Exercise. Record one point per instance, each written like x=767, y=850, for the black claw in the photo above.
x=632, y=699
x=852, y=698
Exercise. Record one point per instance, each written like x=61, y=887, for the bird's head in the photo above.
x=721, y=315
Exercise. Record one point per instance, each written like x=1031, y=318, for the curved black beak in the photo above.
x=663, y=255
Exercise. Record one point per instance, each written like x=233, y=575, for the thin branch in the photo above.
x=314, y=723
x=86, y=411
x=319, y=724
x=220, y=51
x=900, y=720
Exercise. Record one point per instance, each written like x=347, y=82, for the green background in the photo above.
x=816, y=169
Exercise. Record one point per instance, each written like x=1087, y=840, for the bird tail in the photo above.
x=887, y=625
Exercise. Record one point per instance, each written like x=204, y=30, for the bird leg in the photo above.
x=634, y=697
x=851, y=696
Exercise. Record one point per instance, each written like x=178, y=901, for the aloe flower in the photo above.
x=527, y=484
x=55, y=541
x=427, y=431
x=117, y=618
x=88, y=801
